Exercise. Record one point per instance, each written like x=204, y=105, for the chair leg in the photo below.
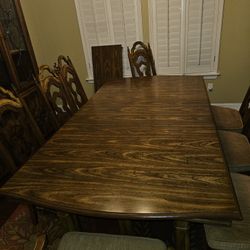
x=182, y=240
x=33, y=214
x=76, y=222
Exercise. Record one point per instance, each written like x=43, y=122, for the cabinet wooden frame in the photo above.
x=26, y=89
x=6, y=51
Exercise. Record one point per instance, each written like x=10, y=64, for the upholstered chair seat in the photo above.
x=227, y=119
x=237, y=236
x=232, y=119
x=236, y=149
x=93, y=241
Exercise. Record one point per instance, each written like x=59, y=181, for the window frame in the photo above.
x=87, y=46
x=182, y=70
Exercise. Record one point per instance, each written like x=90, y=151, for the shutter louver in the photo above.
x=101, y=19
x=92, y=16
x=201, y=29
x=126, y=27
x=166, y=31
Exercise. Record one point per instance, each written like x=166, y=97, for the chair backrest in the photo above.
x=141, y=60
x=246, y=127
x=54, y=91
x=107, y=64
x=71, y=81
x=17, y=132
x=245, y=107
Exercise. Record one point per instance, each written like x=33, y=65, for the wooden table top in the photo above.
x=138, y=149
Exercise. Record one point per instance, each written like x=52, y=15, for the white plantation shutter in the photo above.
x=185, y=35
x=106, y=22
x=126, y=26
x=94, y=28
x=166, y=33
x=202, y=20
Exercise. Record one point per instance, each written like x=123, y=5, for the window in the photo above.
x=185, y=35
x=105, y=22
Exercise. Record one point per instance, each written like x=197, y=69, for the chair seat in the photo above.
x=92, y=241
x=238, y=235
x=227, y=119
x=236, y=150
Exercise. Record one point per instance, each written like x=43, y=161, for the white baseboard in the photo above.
x=228, y=105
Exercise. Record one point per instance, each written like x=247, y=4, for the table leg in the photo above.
x=125, y=226
x=182, y=239
x=33, y=214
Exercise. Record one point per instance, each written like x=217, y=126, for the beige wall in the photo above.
x=54, y=30
x=145, y=21
x=234, y=64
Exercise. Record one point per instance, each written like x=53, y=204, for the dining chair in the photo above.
x=94, y=241
x=18, y=136
x=236, y=148
x=55, y=94
x=17, y=132
x=107, y=64
x=236, y=236
x=232, y=119
x=141, y=60
x=71, y=81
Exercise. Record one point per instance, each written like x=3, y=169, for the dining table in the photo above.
x=143, y=148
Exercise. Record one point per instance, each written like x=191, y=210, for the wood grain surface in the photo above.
x=142, y=148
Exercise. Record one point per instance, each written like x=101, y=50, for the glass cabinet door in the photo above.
x=15, y=42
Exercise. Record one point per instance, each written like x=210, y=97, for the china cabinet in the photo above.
x=18, y=66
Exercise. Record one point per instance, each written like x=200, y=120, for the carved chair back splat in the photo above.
x=71, y=81
x=141, y=60
x=55, y=94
